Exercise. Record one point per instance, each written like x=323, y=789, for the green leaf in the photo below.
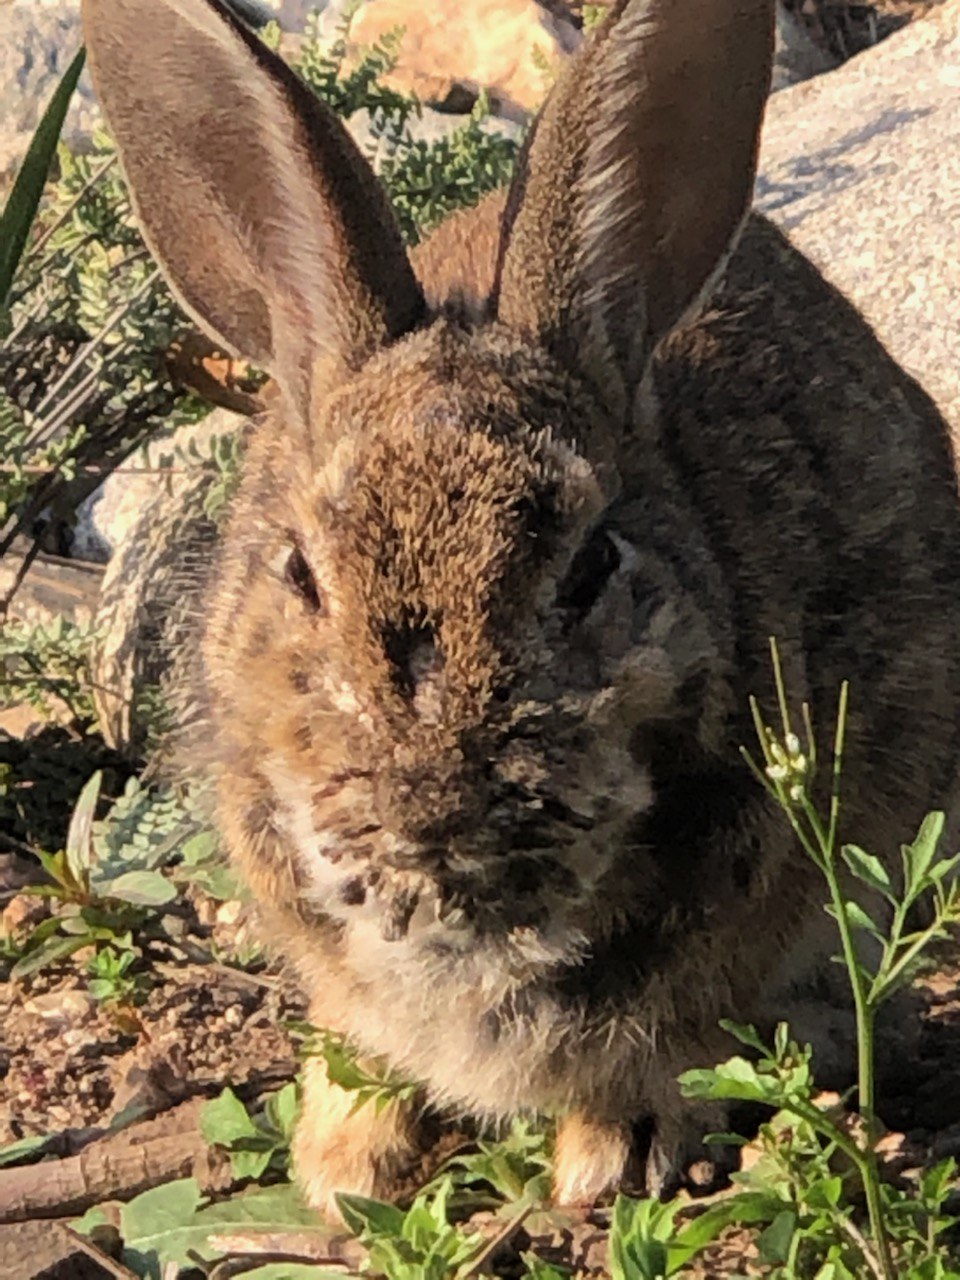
x=251, y=1164
x=918, y=856
x=735, y=1078
x=21, y=207
x=774, y=1243
x=825, y=1193
x=867, y=868
x=746, y=1034
x=199, y=848
x=744, y=1209
x=50, y=951
x=142, y=888
x=161, y=1226
x=17, y=1152
x=225, y=1120
x=370, y=1218
x=537, y=1269
x=281, y=1109
x=80, y=834
x=156, y=1225
x=860, y=920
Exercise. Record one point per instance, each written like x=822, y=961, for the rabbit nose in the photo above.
x=428, y=805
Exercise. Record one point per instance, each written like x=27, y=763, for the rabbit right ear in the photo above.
x=635, y=181
x=267, y=221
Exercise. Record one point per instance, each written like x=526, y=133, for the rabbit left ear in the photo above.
x=635, y=181
x=267, y=221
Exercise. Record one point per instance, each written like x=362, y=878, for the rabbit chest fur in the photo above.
x=478, y=644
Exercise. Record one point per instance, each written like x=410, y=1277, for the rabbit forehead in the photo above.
x=443, y=383
x=450, y=417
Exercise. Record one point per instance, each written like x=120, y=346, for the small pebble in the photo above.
x=229, y=912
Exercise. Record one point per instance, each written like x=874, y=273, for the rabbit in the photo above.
x=477, y=643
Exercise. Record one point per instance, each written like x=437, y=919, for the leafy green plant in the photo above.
x=814, y=1167
x=112, y=980
x=103, y=882
x=255, y=1143
x=414, y=1244
x=48, y=667
x=648, y=1243
x=516, y=1167
x=428, y=181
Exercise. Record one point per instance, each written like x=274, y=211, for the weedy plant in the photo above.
x=48, y=667
x=105, y=881
x=815, y=1167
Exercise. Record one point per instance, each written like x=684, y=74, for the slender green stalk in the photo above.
x=785, y=777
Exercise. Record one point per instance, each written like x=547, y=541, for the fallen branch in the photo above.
x=117, y=1167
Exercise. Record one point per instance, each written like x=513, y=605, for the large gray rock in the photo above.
x=862, y=168
x=162, y=470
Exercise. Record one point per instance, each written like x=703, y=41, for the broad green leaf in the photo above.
x=745, y=1208
x=225, y=1120
x=156, y=1226
x=867, y=868
x=251, y=1164
x=370, y=1218
x=162, y=1225
x=824, y=1194
x=198, y=848
x=21, y=207
x=142, y=888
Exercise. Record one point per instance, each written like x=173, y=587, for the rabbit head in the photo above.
x=431, y=664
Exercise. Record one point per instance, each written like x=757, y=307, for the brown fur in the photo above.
x=481, y=634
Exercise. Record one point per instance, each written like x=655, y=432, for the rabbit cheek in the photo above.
x=333, y=877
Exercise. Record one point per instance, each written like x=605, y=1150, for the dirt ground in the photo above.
x=69, y=1066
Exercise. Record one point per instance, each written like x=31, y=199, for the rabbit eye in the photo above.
x=298, y=575
x=592, y=566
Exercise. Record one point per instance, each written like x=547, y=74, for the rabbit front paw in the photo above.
x=590, y=1159
x=333, y=1151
